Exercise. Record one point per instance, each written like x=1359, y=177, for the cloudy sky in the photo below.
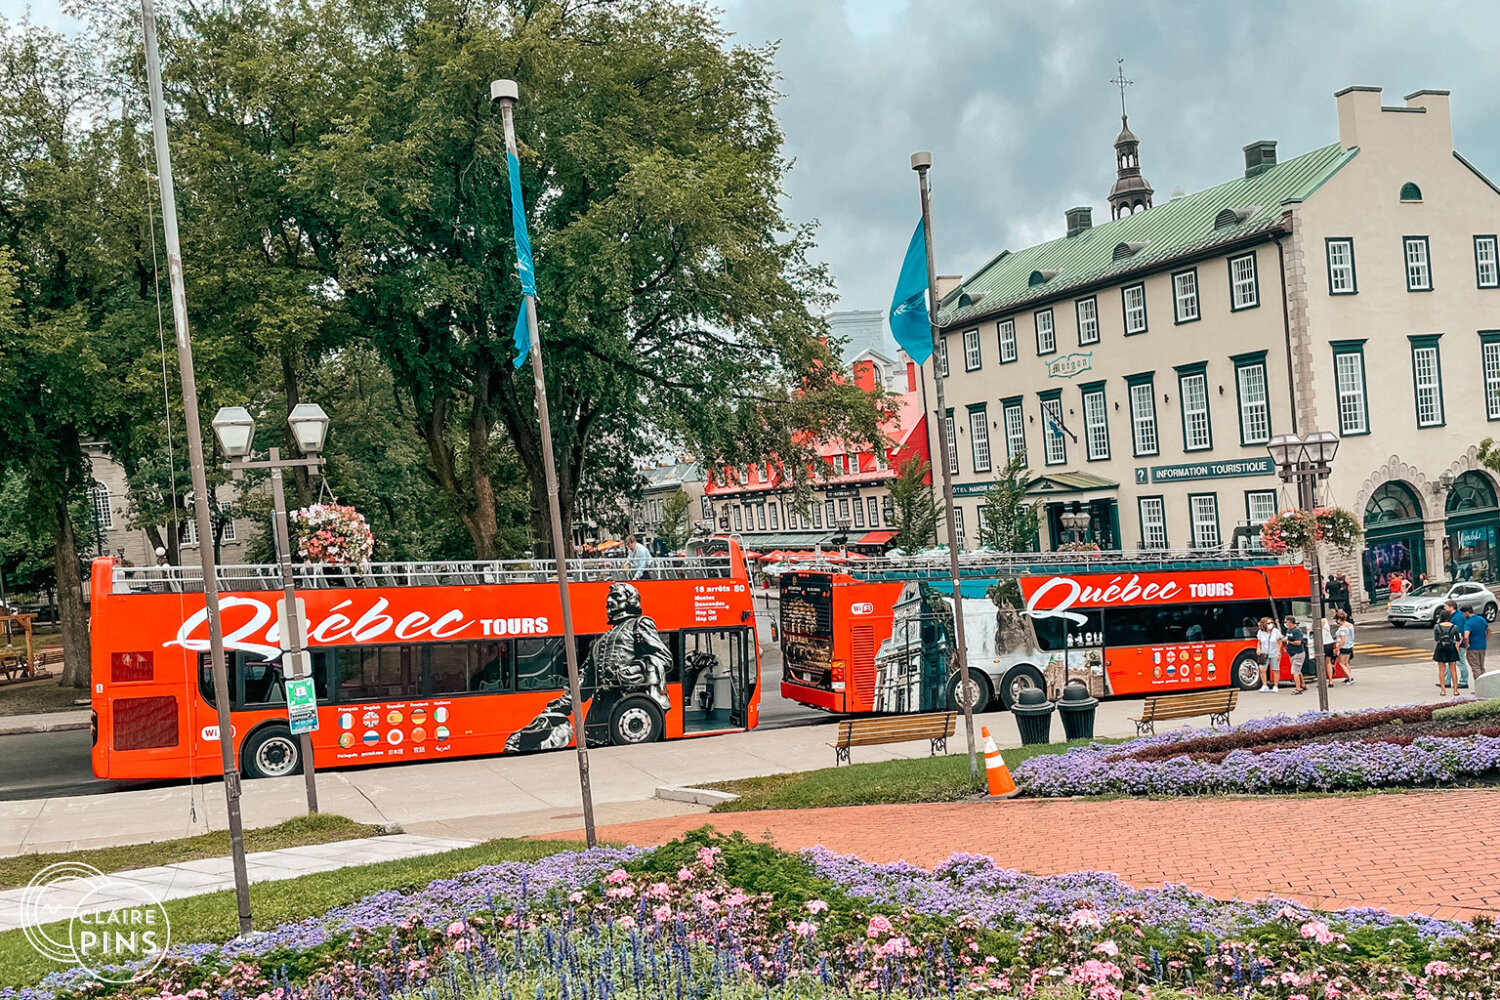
x=1013, y=100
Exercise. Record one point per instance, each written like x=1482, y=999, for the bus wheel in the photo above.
x=272, y=752
x=1246, y=672
x=635, y=721
x=976, y=693
x=1018, y=679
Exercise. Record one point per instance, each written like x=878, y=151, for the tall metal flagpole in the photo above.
x=195, y=459
x=921, y=163
x=506, y=92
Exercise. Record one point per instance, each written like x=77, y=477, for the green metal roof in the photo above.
x=1169, y=231
x=1069, y=482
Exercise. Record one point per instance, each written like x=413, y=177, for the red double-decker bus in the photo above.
x=420, y=661
x=879, y=637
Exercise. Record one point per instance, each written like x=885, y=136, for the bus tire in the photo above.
x=978, y=682
x=1016, y=680
x=1245, y=673
x=635, y=720
x=272, y=752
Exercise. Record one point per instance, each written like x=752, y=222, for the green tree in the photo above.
x=676, y=524
x=914, y=511
x=1008, y=521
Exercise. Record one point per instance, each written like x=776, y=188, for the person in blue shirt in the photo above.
x=1476, y=640
x=1459, y=620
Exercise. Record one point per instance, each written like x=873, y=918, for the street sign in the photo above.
x=281, y=629
x=302, y=705
x=296, y=664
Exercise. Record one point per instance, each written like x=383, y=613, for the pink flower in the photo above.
x=660, y=890
x=816, y=906
x=617, y=877
x=456, y=928
x=575, y=897
x=706, y=855
x=1318, y=931
x=684, y=874
x=663, y=913
x=878, y=925
x=1106, y=948
x=893, y=946
x=804, y=928
x=1436, y=970
x=1084, y=918
x=626, y=922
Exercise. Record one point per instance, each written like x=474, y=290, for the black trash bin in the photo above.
x=1033, y=714
x=1076, y=709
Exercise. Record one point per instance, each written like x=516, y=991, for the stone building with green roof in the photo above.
x=1143, y=364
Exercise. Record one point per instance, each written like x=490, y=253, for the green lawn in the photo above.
x=324, y=828
x=42, y=695
x=213, y=917
x=924, y=779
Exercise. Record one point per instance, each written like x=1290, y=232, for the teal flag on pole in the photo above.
x=909, y=323
x=523, y=258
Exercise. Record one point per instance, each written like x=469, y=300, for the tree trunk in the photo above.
x=485, y=528
x=71, y=611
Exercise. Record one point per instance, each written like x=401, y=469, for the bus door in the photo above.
x=718, y=678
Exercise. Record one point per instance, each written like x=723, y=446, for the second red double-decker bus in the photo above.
x=420, y=661
x=879, y=637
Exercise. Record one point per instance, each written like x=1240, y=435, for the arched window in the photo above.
x=1410, y=192
x=1471, y=492
x=104, y=515
x=1393, y=501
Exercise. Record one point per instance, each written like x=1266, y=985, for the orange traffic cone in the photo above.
x=995, y=771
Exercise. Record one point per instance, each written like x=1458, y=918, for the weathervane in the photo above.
x=1122, y=83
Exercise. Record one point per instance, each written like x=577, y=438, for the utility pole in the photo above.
x=506, y=92
x=195, y=459
x=921, y=163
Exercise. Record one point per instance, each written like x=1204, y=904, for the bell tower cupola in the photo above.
x=1131, y=192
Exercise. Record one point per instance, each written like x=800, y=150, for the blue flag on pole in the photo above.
x=909, y=323
x=523, y=258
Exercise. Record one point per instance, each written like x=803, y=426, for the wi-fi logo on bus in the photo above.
x=862, y=608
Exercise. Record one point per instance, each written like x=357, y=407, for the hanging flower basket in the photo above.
x=1296, y=529
x=332, y=534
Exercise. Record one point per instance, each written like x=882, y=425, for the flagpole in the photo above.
x=506, y=92
x=921, y=163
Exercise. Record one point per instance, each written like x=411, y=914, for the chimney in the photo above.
x=864, y=375
x=911, y=376
x=1260, y=156
x=1435, y=104
x=1079, y=219
x=1359, y=116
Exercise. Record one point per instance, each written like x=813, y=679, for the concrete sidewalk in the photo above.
x=44, y=722
x=195, y=878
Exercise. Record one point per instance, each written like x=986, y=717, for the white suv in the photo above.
x=1424, y=604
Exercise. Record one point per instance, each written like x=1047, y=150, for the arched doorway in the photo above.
x=1473, y=520
x=1393, y=536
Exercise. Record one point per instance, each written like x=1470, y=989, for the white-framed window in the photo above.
x=1015, y=430
x=228, y=535
x=952, y=445
x=1428, y=377
x=1486, y=262
x=1095, y=424
x=739, y=518
x=1088, y=321
x=761, y=516
x=1153, y=522
x=942, y=352
x=1260, y=506
x=1491, y=353
x=972, y=356
x=1349, y=373
x=817, y=513
x=1007, y=332
x=189, y=524
x=1244, y=291
x=844, y=510
x=1255, y=403
x=979, y=438
x=1054, y=445
x=1341, y=266
x=1185, y=296
x=1134, y=298
x=958, y=524
x=1418, y=266
x=1204, y=511
x=104, y=516
x=874, y=508
x=1046, y=335
x=882, y=462
x=1143, y=419
x=775, y=517
x=1196, y=431
x=859, y=514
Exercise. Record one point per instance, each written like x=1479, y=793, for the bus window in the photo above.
x=206, y=677
x=262, y=680
x=541, y=664
x=488, y=668
x=1052, y=633
x=378, y=673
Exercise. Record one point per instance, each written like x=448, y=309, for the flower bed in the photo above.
x=1384, y=748
x=724, y=917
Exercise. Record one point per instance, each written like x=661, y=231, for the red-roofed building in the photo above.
x=756, y=502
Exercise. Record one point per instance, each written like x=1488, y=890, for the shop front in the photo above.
x=1472, y=521
x=1393, y=537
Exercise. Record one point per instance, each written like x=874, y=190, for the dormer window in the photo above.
x=1231, y=217
x=1040, y=277
x=1123, y=250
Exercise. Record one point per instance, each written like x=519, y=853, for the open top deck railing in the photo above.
x=990, y=564
x=459, y=573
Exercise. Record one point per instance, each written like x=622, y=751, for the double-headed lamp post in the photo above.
x=1307, y=461
x=234, y=428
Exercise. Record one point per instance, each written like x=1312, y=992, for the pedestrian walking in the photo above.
x=1460, y=620
x=1343, y=639
x=1445, y=642
x=1397, y=586
x=1344, y=592
x=1330, y=650
x=1268, y=654
x=1476, y=641
x=1296, y=651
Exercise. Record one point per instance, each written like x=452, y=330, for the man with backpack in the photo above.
x=1446, y=639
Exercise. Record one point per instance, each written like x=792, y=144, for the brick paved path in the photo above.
x=1434, y=853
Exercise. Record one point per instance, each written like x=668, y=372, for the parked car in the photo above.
x=1424, y=605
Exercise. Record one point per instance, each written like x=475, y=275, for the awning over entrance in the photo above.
x=877, y=538
x=1049, y=483
x=785, y=540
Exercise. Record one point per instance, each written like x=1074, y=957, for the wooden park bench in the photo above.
x=1215, y=704
x=49, y=657
x=935, y=727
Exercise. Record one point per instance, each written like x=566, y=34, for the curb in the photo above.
x=42, y=727
x=693, y=796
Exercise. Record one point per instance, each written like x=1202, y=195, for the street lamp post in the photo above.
x=1306, y=461
x=845, y=525
x=235, y=430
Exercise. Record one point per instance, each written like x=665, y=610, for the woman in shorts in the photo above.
x=1330, y=651
x=1343, y=638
